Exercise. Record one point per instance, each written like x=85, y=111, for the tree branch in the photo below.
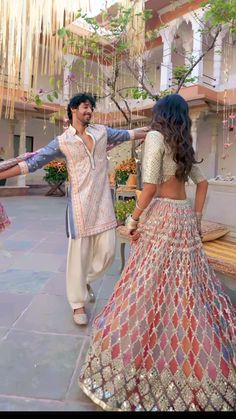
x=120, y=109
x=140, y=80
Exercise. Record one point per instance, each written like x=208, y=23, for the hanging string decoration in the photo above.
x=229, y=112
x=30, y=44
x=136, y=27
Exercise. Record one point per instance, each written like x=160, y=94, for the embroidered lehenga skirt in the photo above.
x=4, y=220
x=166, y=338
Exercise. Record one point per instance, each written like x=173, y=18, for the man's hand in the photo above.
x=140, y=133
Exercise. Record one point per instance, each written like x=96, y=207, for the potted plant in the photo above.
x=123, y=170
x=123, y=209
x=56, y=171
x=56, y=175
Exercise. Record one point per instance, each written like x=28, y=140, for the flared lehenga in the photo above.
x=4, y=220
x=166, y=338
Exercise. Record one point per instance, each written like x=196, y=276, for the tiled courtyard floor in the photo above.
x=41, y=349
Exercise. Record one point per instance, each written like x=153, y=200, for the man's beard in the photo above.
x=86, y=123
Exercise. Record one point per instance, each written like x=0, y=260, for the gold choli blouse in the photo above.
x=158, y=164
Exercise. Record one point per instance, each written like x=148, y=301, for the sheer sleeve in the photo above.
x=196, y=174
x=153, y=158
x=46, y=154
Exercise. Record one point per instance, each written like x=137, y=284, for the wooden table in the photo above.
x=123, y=195
x=55, y=189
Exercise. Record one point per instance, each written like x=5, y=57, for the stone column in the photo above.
x=22, y=148
x=217, y=61
x=213, y=156
x=167, y=36
x=194, y=132
x=69, y=59
x=195, y=117
x=10, y=142
x=197, y=47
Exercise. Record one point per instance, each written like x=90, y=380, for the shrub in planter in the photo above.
x=123, y=209
x=56, y=171
x=123, y=170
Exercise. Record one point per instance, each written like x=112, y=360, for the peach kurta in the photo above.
x=90, y=208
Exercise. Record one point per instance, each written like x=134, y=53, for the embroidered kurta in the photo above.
x=90, y=208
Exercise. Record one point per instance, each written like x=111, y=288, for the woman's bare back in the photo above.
x=172, y=188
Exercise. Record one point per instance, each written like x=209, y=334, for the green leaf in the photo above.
x=55, y=94
x=59, y=84
x=38, y=101
x=62, y=32
x=52, y=119
x=49, y=97
x=52, y=81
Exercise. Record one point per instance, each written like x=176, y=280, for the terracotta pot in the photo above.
x=132, y=181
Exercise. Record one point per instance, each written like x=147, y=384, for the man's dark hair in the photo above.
x=76, y=100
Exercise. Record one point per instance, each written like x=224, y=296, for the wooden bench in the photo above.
x=221, y=253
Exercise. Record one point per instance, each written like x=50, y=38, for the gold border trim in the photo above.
x=96, y=400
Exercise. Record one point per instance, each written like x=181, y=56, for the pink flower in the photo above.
x=225, y=155
x=72, y=76
x=227, y=145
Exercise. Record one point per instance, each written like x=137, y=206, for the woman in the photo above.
x=166, y=338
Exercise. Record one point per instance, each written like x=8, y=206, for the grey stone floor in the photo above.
x=41, y=348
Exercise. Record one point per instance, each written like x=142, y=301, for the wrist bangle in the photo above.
x=139, y=208
x=130, y=223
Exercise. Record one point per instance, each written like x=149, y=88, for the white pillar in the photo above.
x=10, y=142
x=197, y=49
x=167, y=36
x=213, y=156
x=69, y=59
x=217, y=61
x=194, y=131
x=22, y=148
x=187, y=46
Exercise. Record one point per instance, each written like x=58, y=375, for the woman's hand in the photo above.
x=199, y=223
x=134, y=235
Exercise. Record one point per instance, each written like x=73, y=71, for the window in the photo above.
x=29, y=144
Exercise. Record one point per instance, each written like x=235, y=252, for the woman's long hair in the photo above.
x=171, y=118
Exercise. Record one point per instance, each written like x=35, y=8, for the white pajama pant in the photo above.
x=87, y=258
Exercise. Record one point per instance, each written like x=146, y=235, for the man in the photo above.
x=90, y=217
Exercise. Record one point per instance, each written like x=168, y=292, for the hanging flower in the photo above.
x=225, y=155
x=232, y=116
x=227, y=145
x=72, y=77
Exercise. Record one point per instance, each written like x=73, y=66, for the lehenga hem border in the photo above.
x=96, y=400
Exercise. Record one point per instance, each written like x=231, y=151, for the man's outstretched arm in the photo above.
x=43, y=156
x=118, y=136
